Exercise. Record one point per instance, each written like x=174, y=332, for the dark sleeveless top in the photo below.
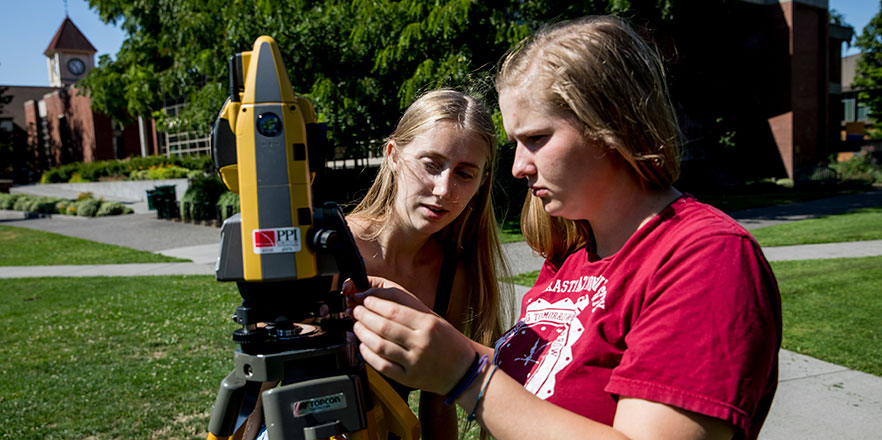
x=442, y=301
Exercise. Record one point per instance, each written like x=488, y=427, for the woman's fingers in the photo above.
x=381, y=364
x=382, y=328
x=395, y=296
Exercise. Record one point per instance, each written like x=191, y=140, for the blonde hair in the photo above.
x=472, y=234
x=553, y=238
x=599, y=73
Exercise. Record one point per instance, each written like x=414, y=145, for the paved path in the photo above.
x=815, y=399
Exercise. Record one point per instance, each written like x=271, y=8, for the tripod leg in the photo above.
x=255, y=419
x=235, y=397
x=226, y=407
x=394, y=414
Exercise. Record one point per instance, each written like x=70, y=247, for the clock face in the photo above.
x=76, y=66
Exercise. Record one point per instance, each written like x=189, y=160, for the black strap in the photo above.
x=445, y=283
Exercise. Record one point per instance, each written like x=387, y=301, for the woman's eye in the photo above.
x=465, y=175
x=431, y=166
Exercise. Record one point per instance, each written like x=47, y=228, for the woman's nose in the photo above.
x=523, y=165
x=444, y=184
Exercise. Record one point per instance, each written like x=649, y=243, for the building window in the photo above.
x=863, y=112
x=6, y=124
x=848, y=112
x=183, y=143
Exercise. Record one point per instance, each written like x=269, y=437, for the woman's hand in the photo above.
x=404, y=340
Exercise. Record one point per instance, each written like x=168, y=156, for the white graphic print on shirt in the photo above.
x=545, y=337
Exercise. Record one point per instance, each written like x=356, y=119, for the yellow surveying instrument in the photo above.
x=297, y=370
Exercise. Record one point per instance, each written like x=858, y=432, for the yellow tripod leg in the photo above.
x=393, y=413
x=390, y=413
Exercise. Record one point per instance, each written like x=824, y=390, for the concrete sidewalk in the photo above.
x=815, y=399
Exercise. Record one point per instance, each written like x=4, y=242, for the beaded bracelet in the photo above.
x=471, y=416
x=467, y=379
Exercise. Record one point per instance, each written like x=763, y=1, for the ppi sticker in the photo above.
x=276, y=240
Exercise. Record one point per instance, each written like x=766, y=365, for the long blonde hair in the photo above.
x=598, y=72
x=472, y=235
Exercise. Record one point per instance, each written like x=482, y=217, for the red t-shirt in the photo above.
x=687, y=313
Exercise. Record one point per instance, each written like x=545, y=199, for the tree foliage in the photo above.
x=4, y=98
x=360, y=61
x=868, y=74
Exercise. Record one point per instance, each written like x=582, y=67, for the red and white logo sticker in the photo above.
x=276, y=240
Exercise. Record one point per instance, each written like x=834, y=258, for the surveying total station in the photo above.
x=296, y=368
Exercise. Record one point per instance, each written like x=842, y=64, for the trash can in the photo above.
x=160, y=198
x=151, y=198
x=165, y=191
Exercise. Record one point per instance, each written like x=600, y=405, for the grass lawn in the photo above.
x=864, y=224
x=29, y=247
x=113, y=357
x=510, y=231
x=757, y=196
x=142, y=357
x=832, y=309
x=732, y=200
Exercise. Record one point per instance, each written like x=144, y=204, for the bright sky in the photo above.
x=27, y=27
x=857, y=14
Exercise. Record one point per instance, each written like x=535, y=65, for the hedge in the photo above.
x=86, y=206
x=136, y=168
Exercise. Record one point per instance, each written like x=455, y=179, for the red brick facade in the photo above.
x=70, y=131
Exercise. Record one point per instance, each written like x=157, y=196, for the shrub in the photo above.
x=7, y=201
x=78, y=178
x=860, y=168
x=160, y=173
x=71, y=209
x=23, y=204
x=61, y=207
x=228, y=198
x=29, y=203
x=786, y=183
x=168, y=172
x=45, y=205
x=113, y=208
x=127, y=168
x=88, y=207
x=201, y=198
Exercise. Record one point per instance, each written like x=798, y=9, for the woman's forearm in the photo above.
x=508, y=411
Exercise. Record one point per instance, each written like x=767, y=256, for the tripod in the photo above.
x=301, y=340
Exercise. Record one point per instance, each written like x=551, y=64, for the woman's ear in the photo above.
x=392, y=155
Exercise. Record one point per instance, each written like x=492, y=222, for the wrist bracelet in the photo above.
x=471, y=416
x=467, y=379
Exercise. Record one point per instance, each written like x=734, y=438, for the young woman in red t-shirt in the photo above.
x=654, y=317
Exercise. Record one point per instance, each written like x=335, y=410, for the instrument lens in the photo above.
x=269, y=124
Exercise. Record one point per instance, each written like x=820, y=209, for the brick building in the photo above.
x=759, y=91
x=56, y=124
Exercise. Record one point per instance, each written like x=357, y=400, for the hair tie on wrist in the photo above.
x=471, y=416
x=467, y=378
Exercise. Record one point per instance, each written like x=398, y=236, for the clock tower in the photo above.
x=70, y=55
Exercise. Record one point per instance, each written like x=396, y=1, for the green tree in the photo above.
x=6, y=145
x=360, y=61
x=868, y=74
x=4, y=98
x=13, y=149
